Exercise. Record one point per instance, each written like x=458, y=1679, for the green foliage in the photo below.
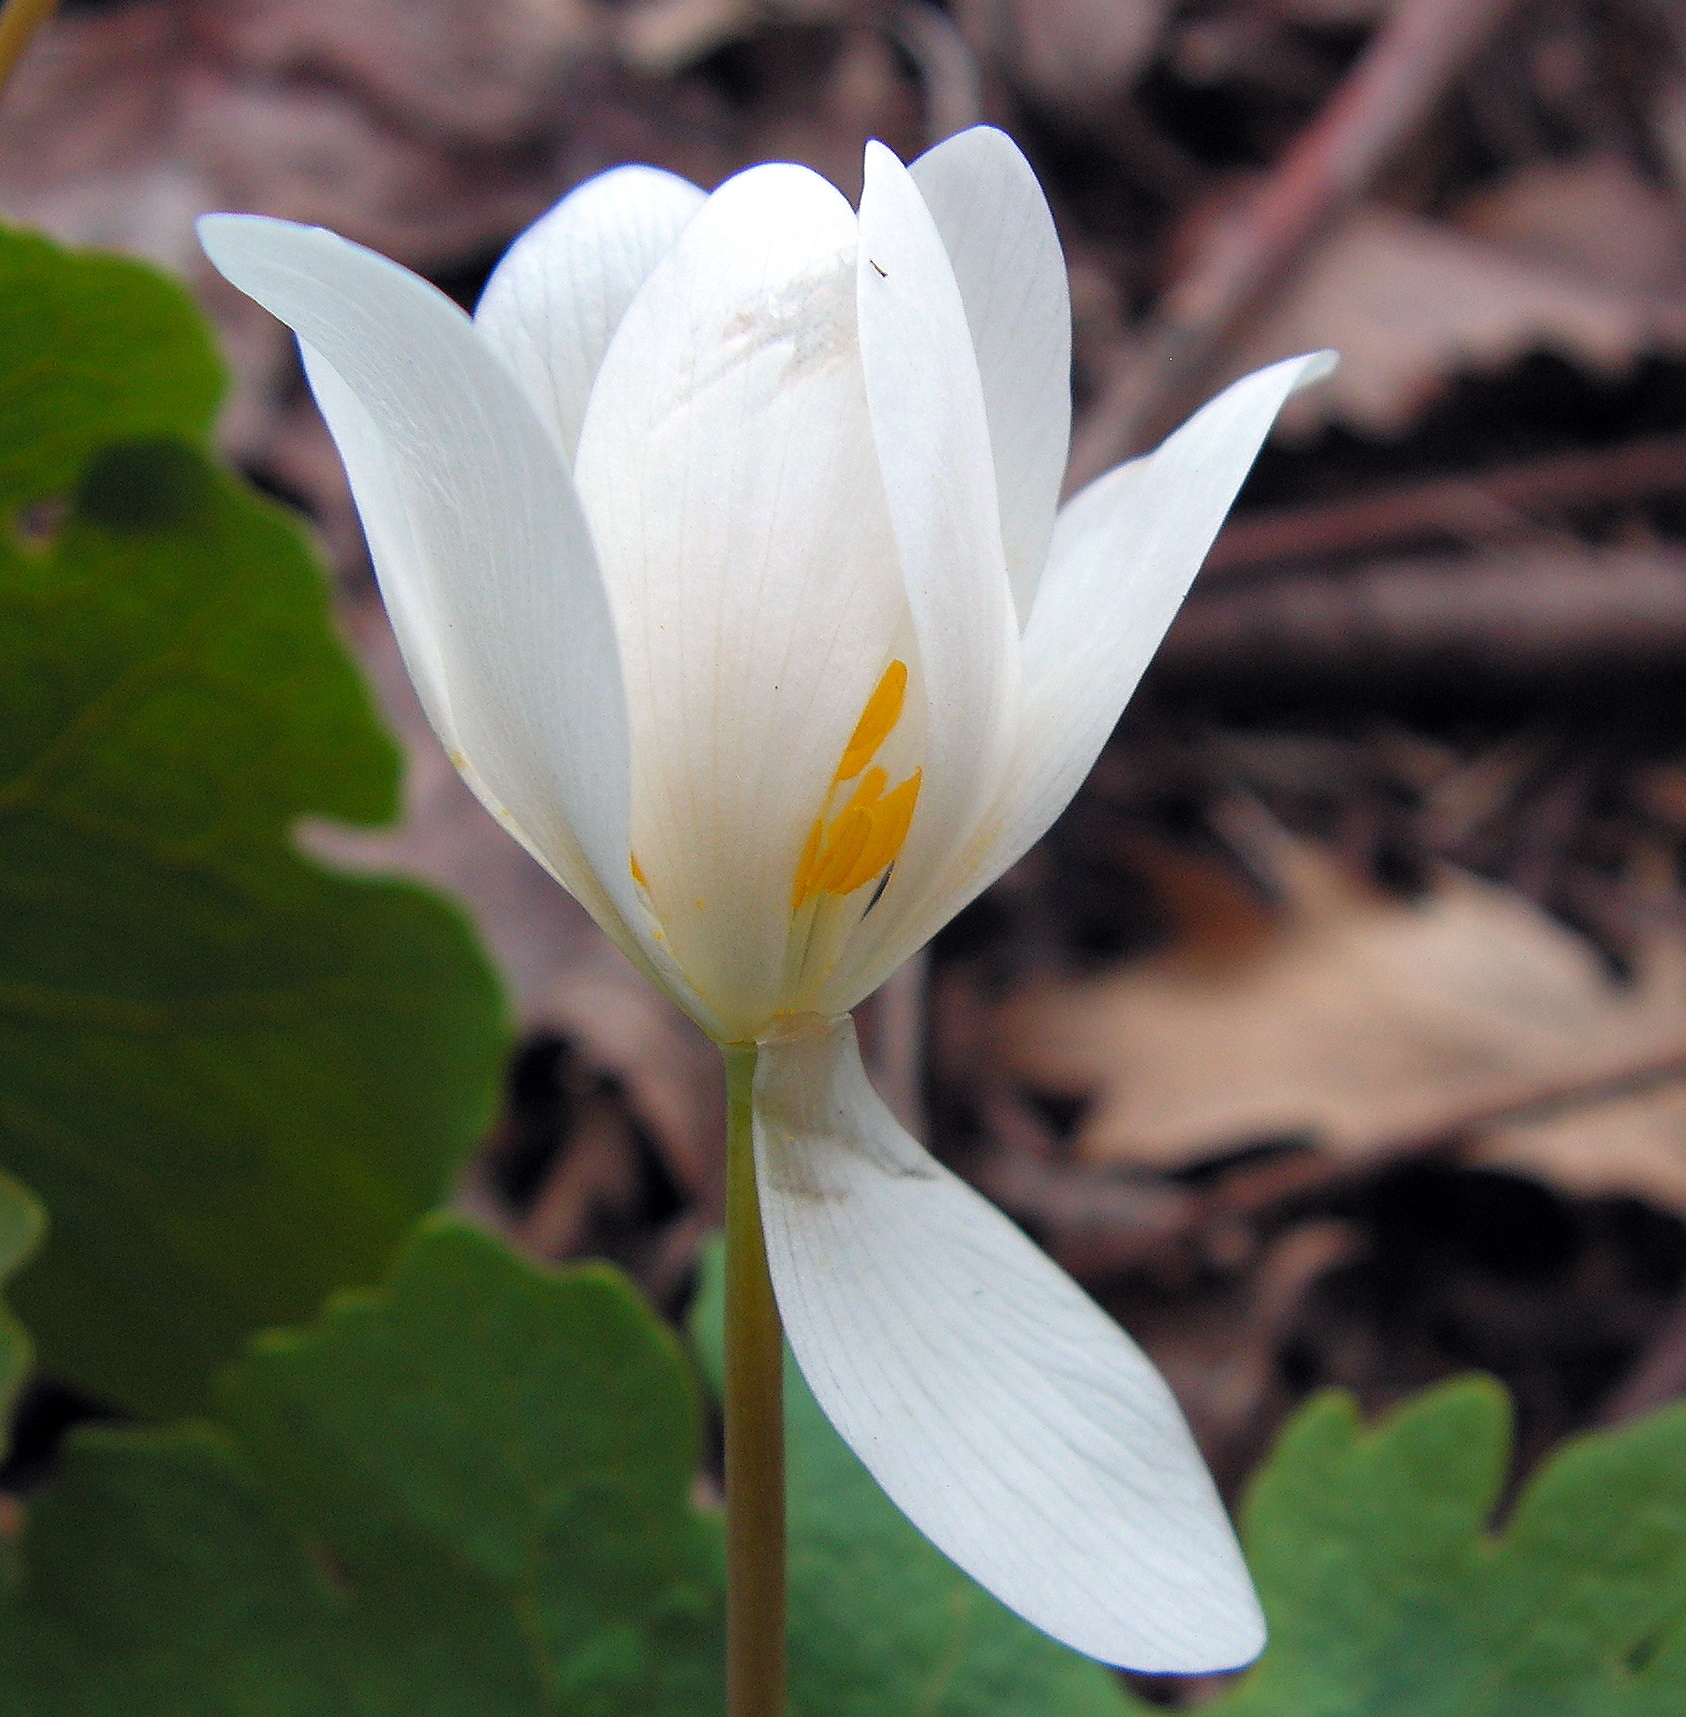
x=881, y=1621
x=465, y=1496
x=1388, y=1597
x=21, y=1223
x=468, y=1495
x=234, y=1079
x=93, y=350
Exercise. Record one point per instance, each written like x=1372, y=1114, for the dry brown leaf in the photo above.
x=1079, y=52
x=433, y=132
x=1634, y=1145
x=660, y=37
x=482, y=72
x=1594, y=217
x=1358, y=1019
x=1411, y=305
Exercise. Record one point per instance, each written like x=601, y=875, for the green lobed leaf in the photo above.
x=1388, y=1596
x=881, y=1621
x=233, y=1078
x=469, y=1495
x=21, y=1226
x=93, y=349
x=464, y=1496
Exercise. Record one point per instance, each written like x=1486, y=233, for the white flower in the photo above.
x=722, y=547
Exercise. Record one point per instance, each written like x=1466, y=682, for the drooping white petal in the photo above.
x=1006, y=1415
x=555, y=301
x=1007, y=261
x=378, y=490
x=1125, y=551
x=480, y=544
x=728, y=469
x=932, y=438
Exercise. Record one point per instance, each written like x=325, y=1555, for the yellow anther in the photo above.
x=849, y=836
x=883, y=710
x=846, y=851
x=868, y=791
x=891, y=817
x=638, y=875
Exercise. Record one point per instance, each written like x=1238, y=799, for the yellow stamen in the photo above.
x=638, y=875
x=883, y=710
x=849, y=837
x=891, y=819
x=869, y=790
x=846, y=851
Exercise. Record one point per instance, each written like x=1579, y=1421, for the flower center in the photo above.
x=858, y=844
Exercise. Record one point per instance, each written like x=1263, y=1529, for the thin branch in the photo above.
x=1399, y=80
x=1529, y=614
x=19, y=22
x=1483, y=506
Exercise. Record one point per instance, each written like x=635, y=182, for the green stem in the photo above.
x=19, y=20
x=755, y=1547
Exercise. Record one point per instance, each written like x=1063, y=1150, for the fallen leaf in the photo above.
x=1080, y=52
x=1594, y=217
x=1412, y=304
x=1356, y=1019
x=468, y=70
x=1633, y=1146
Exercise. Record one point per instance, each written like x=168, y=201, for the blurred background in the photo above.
x=1337, y=1034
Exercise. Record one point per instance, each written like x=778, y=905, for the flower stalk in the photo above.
x=755, y=1496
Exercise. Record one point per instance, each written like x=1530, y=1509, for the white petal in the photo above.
x=1125, y=551
x=932, y=437
x=479, y=540
x=378, y=490
x=1007, y=261
x=555, y=301
x=727, y=466
x=1002, y=1411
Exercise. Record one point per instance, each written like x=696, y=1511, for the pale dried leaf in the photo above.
x=1082, y=51
x=1411, y=305
x=1633, y=1146
x=1356, y=1020
x=472, y=71
x=660, y=37
x=1594, y=217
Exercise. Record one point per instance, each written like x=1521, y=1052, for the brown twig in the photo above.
x=1483, y=506
x=1398, y=81
x=1099, y=1226
x=19, y=22
x=947, y=68
x=1292, y=1183
x=1510, y=617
